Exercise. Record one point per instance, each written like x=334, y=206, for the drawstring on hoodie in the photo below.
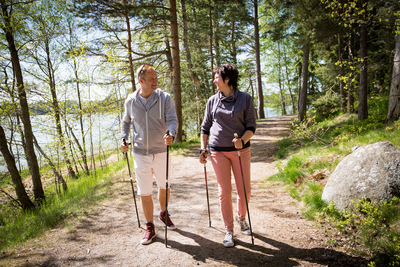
x=234, y=95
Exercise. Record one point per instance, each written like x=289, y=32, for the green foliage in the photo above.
x=314, y=151
x=312, y=198
x=373, y=224
x=18, y=227
x=326, y=106
x=291, y=172
x=183, y=147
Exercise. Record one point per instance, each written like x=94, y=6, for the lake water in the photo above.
x=105, y=134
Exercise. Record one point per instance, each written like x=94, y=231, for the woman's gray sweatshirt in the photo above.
x=149, y=126
x=225, y=116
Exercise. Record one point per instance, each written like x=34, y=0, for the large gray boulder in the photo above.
x=372, y=171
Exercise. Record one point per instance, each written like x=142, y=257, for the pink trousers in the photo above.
x=223, y=163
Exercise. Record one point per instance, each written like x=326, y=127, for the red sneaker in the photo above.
x=149, y=234
x=170, y=224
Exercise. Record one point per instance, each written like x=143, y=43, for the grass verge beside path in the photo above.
x=17, y=227
x=308, y=157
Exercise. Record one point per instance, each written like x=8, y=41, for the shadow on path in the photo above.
x=243, y=254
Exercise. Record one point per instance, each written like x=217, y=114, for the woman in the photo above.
x=228, y=112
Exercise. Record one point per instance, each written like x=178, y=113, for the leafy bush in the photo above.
x=372, y=224
x=326, y=106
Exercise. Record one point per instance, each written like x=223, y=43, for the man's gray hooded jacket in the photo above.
x=149, y=126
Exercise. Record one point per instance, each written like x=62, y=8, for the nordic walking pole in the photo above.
x=245, y=194
x=166, y=195
x=208, y=201
x=133, y=190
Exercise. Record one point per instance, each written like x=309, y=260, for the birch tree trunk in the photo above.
x=304, y=82
x=56, y=109
x=283, y=104
x=394, y=103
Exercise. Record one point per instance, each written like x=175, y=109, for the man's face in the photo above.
x=150, y=80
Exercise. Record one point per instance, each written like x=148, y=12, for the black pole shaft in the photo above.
x=133, y=190
x=208, y=201
x=166, y=194
x=245, y=196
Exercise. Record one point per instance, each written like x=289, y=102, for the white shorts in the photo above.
x=147, y=167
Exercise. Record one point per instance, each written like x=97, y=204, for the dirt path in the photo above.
x=108, y=235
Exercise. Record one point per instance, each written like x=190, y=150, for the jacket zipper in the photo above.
x=147, y=127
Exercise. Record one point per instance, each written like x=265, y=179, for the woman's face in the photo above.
x=221, y=84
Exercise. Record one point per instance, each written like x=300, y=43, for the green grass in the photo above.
x=312, y=154
x=17, y=227
x=182, y=148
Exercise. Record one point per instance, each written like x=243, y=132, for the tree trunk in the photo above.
x=177, y=68
x=216, y=44
x=283, y=104
x=56, y=109
x=341, y=75
x=260, y=102
x=211, y=46
x=394, y=103
x=168, y=52
x=288, y=83
x=78, y=91
x=252, y=94
x=350, y=92
x=22, y=196
x=52, y=166
x=299, y=85
x=33, y=164
x=195, y=79
x=340, y=54
x=129, y=43
x=233, y=44
x=304, y=82
x=362, y=95
x=83, y=151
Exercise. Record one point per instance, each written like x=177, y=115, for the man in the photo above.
x=151, y=113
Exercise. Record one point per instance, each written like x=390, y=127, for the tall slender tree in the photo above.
x=176, y=67
x=260, y=94
x=394, y=96
x=22, y=196
x=304, y=81
x=7, y=9
x=362, y=92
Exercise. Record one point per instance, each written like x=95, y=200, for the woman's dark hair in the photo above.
x=228, y=71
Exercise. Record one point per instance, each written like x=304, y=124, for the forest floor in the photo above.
x=107, y=233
